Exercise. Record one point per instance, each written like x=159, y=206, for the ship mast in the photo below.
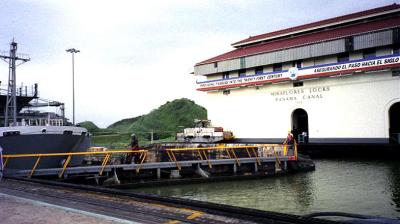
x=11, y=103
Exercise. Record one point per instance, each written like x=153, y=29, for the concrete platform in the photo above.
x=14, y=210
x=55, y=202
x=26, y=202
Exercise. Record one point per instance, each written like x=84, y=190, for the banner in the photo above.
x=377, y=63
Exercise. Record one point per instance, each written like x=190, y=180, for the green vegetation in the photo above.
x=123, y=124
x=90, y=126
x=118, y=140
x=163, y=123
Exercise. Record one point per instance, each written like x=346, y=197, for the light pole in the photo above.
x=73, y=51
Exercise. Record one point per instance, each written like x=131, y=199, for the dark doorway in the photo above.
x=394, y=123
x=300, y=125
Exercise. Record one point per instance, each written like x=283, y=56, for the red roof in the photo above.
x=320, y=23
x=307, y=39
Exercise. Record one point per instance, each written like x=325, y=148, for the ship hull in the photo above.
x=34, y=140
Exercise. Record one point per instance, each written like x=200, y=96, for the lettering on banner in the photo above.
x=355, y=65
x=276, y=77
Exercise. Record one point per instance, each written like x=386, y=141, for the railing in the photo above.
x=1, y=163
x=236, y=152
x=286, y=149
x=231, y=152
x=143, y=154
x=6, y=54
x=28, y=91
x=42, y=122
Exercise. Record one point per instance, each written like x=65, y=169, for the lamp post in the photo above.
x=73, y=51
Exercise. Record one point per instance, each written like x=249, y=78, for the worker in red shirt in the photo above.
x=289, y=139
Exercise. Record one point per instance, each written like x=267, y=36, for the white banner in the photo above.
x=302, y=73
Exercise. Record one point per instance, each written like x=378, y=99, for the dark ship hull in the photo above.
x=43, y=140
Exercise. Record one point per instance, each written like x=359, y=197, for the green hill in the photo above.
x=90, y=126
x=168, y=119
x=163, y=122
x=124, y=124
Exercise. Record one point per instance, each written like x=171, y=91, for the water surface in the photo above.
x=362, y=187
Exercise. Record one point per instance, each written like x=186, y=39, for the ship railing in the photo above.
x=232, y=152
x=106, y=159
x=27, y=91
x=43, y=122
x=39, y=121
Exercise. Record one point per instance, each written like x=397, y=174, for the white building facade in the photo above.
x=336, y=80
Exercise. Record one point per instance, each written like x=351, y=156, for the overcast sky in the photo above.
x=136, y=55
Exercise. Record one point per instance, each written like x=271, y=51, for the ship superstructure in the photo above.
x=26, y=130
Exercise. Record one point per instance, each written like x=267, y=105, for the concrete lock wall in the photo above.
x=350, y=108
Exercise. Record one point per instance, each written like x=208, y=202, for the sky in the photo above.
x=137, y=55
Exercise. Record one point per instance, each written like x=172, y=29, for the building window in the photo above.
x=225, y=75
x=396, y=49
x=242, y=72
x=297, y=84
x=343, y=57
x=349, y=44
x=297, y=64
x=369, y=53
x=259, y=70
x=277, y=67
x=242, y=62
x=215, y=64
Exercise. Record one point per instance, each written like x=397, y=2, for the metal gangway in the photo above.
x=223, y=154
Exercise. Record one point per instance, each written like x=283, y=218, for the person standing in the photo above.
x=134, y=144
x=289, y=141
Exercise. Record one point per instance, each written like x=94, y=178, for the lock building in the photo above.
x=335, y=81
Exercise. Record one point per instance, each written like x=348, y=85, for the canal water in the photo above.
x=357, y=186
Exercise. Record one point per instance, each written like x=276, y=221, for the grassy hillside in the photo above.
x=90, y=126
x=168, y=119
x=123, y=124
x=94, y=130
x=164, y=122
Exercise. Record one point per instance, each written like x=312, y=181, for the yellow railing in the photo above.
x=143, y=154
x=230, y=152
x=286, y=149
x=202, y=155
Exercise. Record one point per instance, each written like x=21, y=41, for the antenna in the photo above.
x=11, y=103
